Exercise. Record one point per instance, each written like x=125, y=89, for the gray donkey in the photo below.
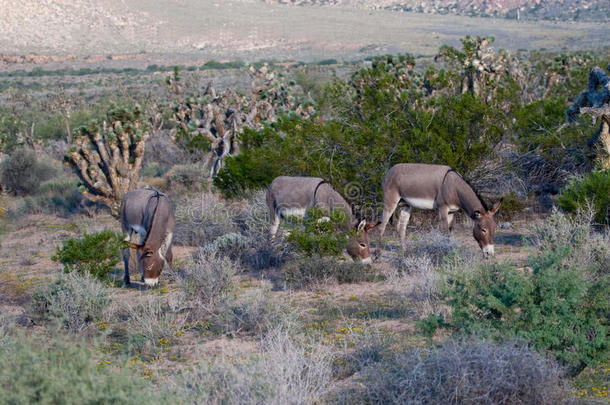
x=293, y=196
x=148, y=220
x=426, y=186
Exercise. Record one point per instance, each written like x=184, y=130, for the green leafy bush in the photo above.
x=319, y=235
x=75, y=300
x=96, y=254
x=559, y=302
x=591, y=190
x=21, y=172
x=36, y=369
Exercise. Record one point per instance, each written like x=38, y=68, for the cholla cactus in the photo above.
x=213, y=122
x=107, y=158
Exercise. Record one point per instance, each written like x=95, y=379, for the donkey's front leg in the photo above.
x=446, y=218
x=126, y=263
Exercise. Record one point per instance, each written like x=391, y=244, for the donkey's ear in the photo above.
x=362, y=225
x=370, y=226
x=495, y=207
x=477, y=214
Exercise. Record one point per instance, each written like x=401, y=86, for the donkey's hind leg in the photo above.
x=403, y=221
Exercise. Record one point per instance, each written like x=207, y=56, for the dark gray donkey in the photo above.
x=428, y=187
x=148, y=220
x=293, y=196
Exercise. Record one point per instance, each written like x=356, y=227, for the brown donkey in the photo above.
x=428, y=187
x=293, y=196
x=148, y=221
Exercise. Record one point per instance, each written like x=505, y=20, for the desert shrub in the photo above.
x=472, y=371
x=263, y=253
x=317, y=270
x=153, y=170
x=189, y=177
x=21, y=172
x=590, y=250
x=152, y=323
x=511, y=205
x=416, y=278
x=560, y=306
x=60, y=370
x=231, y=245
x=591, y=190
x=435, y=245
x=254, y=313
x=96, y=254
x=285, y=372
x=75, y=300
x=362, y=347
x=537, y=128
x=321, y=234
x=209, y=279
x=201, y=219
x=55, y=196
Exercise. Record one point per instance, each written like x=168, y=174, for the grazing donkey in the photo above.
x=426, y=186
x=148, y=220
x=293, y=196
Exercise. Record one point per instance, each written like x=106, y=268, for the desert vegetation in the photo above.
x=243, y=318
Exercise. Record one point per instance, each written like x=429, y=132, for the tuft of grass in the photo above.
x=255, y=313
x=72, y=299
x=209, y=279
x=284, y=372
x=317, y=270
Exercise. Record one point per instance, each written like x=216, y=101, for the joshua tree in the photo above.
x=212, y=123
x=107, y=158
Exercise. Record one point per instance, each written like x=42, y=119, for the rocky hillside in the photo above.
x=563, y=10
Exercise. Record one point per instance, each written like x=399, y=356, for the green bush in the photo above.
x=320, y=236
x=36, y=369
x=96, y=254
x=360, y=146
x=559, y=302
x=21, y=172
x=592, y=190
x=73, y=299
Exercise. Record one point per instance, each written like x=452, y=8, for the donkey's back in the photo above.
x=417, y=181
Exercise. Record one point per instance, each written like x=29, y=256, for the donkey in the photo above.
x=148, y=220
x=293, y=196
x=426, y=186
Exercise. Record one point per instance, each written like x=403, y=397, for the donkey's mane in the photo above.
x=476, y=192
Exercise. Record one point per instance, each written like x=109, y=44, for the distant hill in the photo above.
x=557, y=10
x=96, y=31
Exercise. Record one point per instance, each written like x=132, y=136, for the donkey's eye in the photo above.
x=483, y=230
x=148, y=254
x=362, y=245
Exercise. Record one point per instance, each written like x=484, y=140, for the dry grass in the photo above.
x=472, y=371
